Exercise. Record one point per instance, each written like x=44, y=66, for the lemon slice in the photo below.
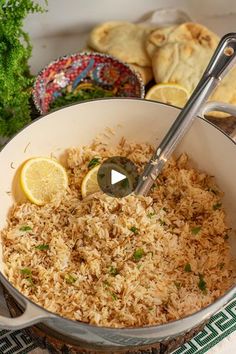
x=90, y=184
x=168, y=93
x=42, y=178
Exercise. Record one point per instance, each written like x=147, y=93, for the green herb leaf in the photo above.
x=177, y=284
x=70, y=279
x=162, y=222
x=114, y=296
x=138, y=254
x=28, y=275
x=214, y=191
x=30, y=280
x=202, y=284
x=94, y=162
x=217, y=206
x=42, y=247
x=106, y=283
x=15, y=78
x=196, y=230
x=25, y=228
x=150, y=215
x=134, y=229
x=113, y=271
x=187, y=268
x=25, y=271
x=80, y=94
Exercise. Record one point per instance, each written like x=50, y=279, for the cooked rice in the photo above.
x=123, y=262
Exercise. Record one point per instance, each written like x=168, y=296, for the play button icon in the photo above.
x=117, y=176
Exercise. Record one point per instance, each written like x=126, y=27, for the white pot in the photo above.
x=139, y=120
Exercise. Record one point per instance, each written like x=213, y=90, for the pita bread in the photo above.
x=180, y=54
x=158, y=38
x=145, y=72
x=124, y=40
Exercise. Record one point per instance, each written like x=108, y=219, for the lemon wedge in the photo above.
x=90, y=184
x=41, y=178
x=169, y=93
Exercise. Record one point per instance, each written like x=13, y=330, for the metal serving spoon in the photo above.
x=221, y=62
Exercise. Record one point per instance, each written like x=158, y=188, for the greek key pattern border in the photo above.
x=16, y=342
x=222, y=324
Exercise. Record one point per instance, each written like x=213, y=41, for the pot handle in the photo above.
x=220, y=107
x=31, y=316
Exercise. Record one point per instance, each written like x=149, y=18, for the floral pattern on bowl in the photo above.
x=67, y=76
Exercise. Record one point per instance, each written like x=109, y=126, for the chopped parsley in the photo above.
x=162, y=222
x=26, y=271
x=177, y=284
x=114, y=296
x=113, y=271
x=70, y=279
x=217, y=206
x=138, y=254
x=25, y=228
x=212, y=191
x=94, y=162
x=187, y=268
x=42, y=247
x=30, y=280
x=134, y=230
x=80, y=94
x=106, y=283
x=150, y=215
x=28, y=275
x=202, y=284
x=196, y=230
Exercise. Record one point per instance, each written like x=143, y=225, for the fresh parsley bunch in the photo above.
x=15, y=78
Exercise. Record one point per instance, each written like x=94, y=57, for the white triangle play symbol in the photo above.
x=116, y=177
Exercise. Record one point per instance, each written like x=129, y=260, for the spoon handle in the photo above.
x=221, y=62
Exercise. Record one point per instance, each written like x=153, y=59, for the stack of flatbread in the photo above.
x=177, y=54
x=125, y=41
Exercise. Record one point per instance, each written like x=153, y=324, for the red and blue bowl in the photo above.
x=84, y=76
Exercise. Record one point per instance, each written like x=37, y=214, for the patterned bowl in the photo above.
x=84, y=76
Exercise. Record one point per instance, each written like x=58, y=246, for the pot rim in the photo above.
x=207, y=311
x=109, y=99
